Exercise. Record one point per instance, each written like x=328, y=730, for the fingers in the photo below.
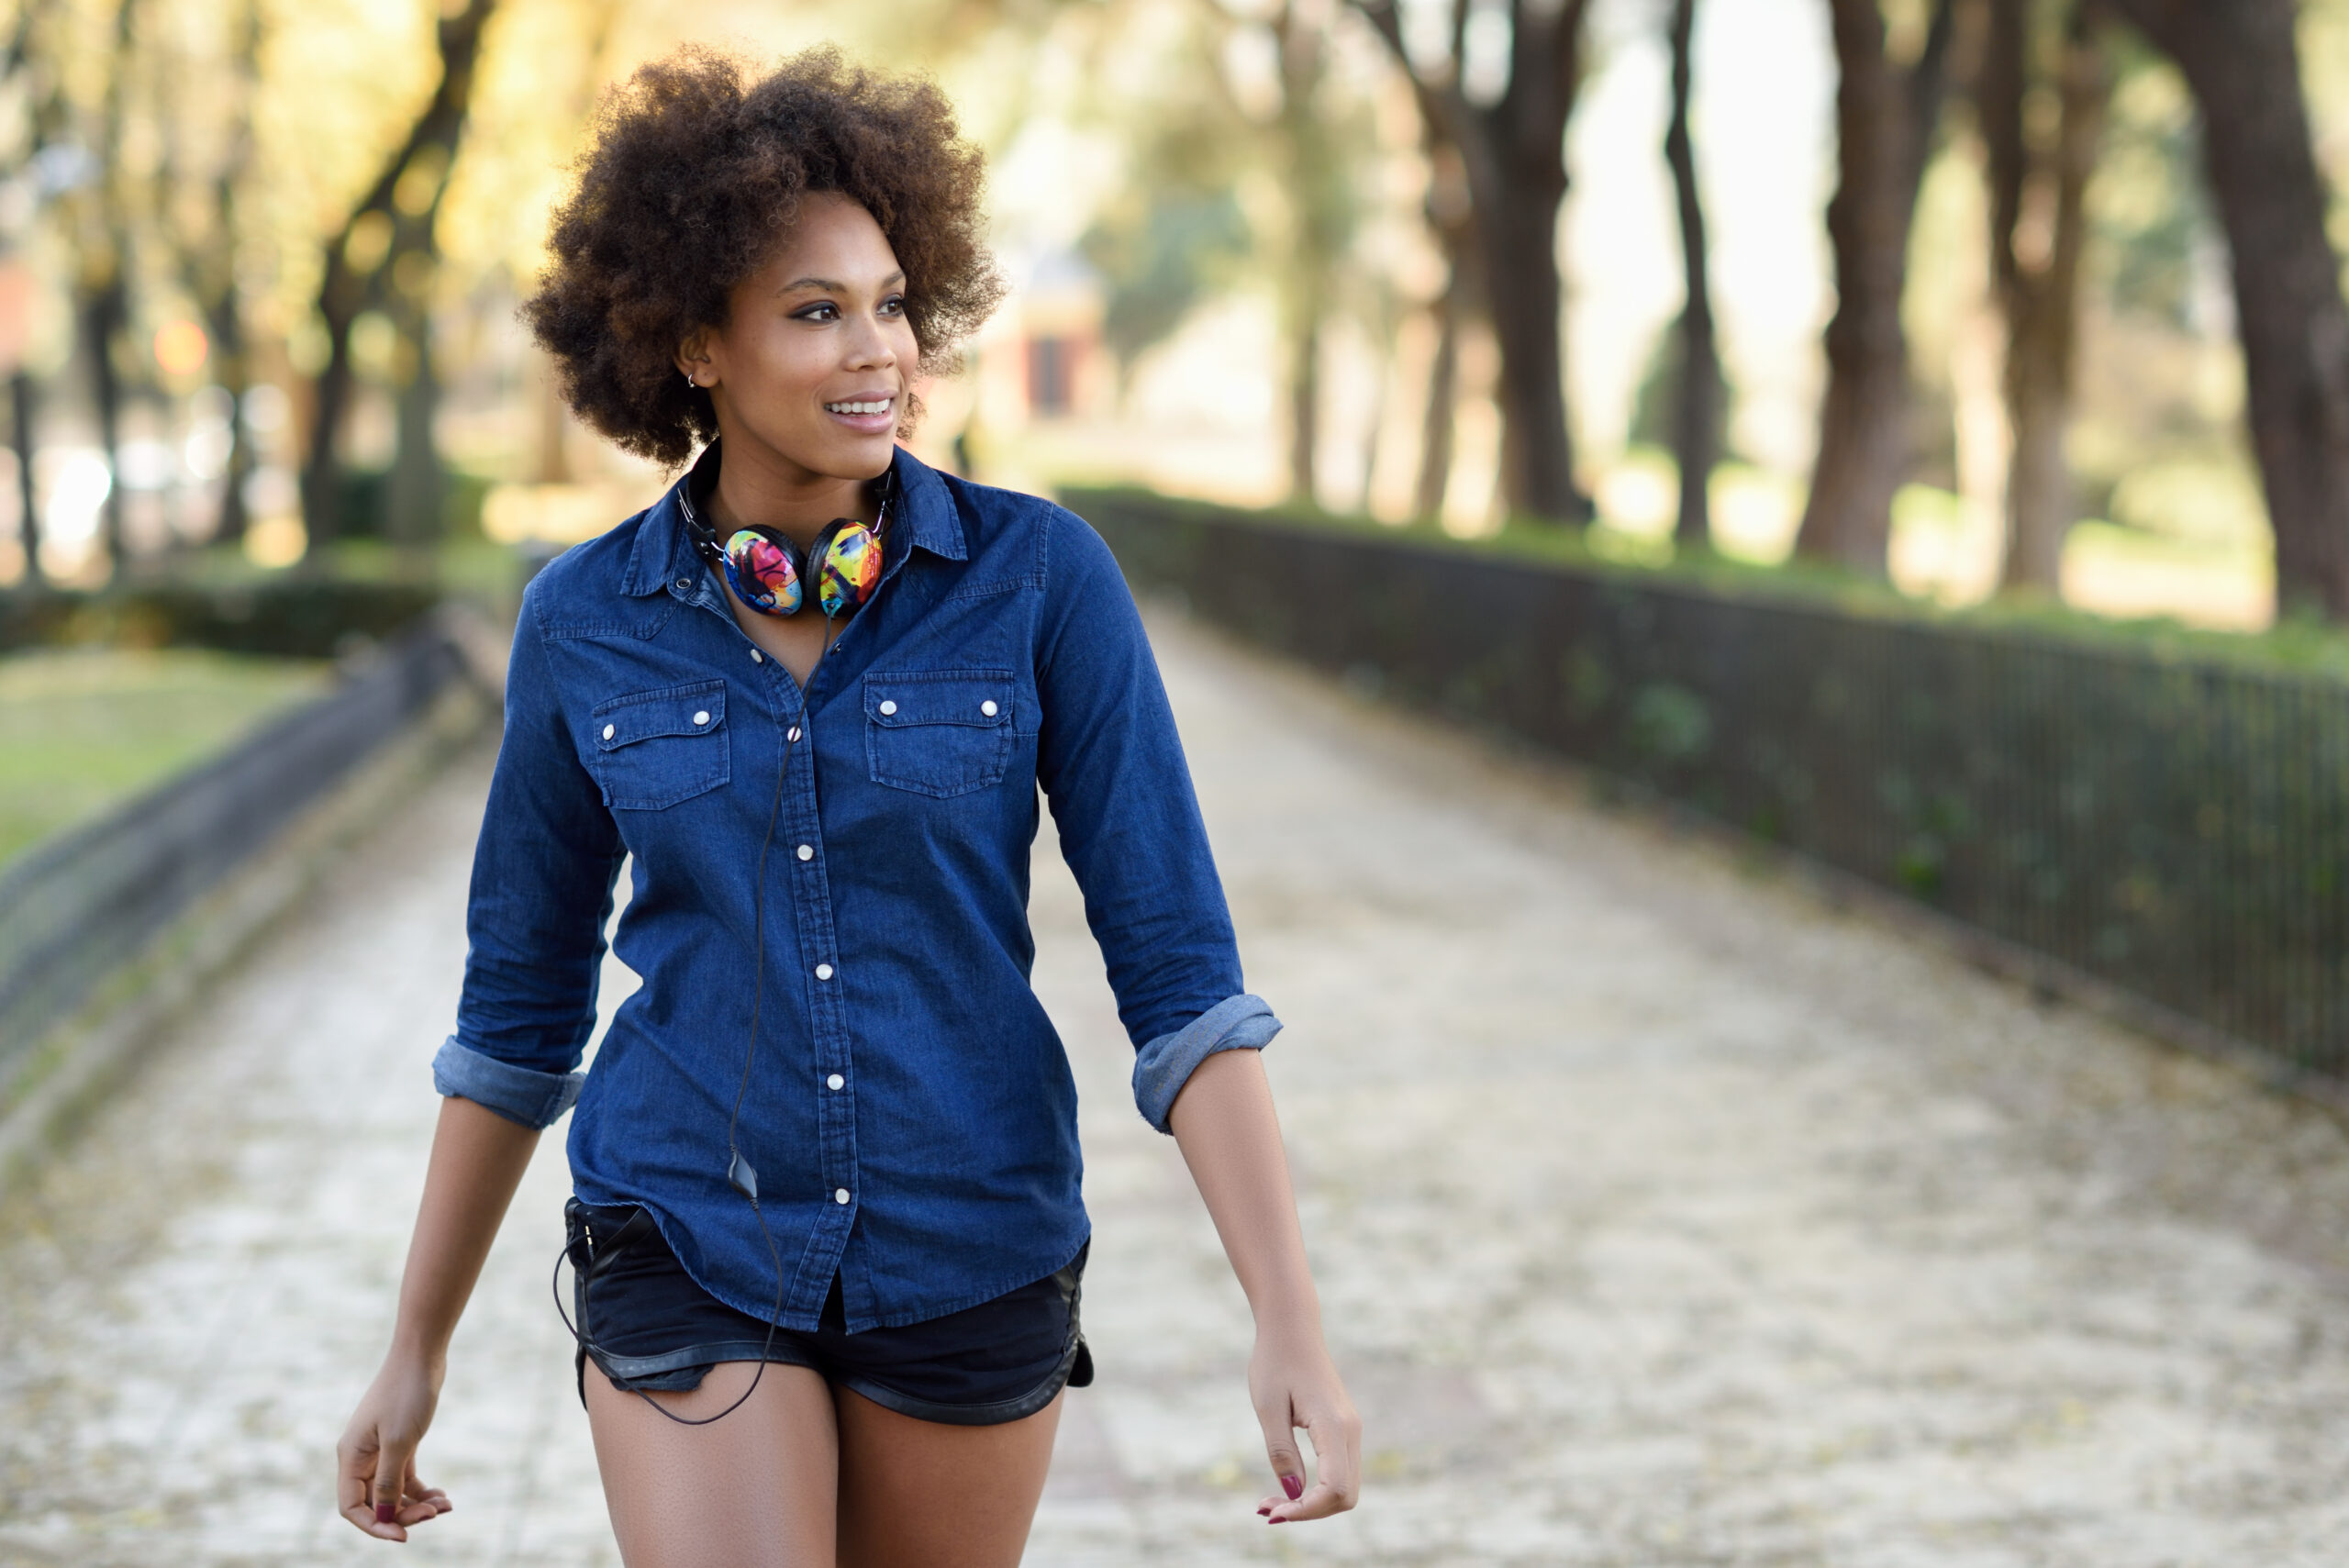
x=1280, y=1448
x=390, y=1479
x=382, y=1495
x=360, y=1459
x=1337, y=1452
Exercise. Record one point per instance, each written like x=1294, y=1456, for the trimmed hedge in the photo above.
x=286, y=616
x=2169, y=822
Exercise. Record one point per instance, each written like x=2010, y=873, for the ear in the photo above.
x=694, y=359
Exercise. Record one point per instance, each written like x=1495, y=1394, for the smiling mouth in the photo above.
x=860, y=405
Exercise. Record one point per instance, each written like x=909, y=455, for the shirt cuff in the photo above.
x=1166, y=1064
x=520, y=1095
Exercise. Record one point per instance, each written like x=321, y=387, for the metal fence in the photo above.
x=2179, y=829
x=73, y=911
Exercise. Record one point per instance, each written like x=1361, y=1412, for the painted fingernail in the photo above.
x=1294, y=1486
x=386, y=1512
x=1278, y=1520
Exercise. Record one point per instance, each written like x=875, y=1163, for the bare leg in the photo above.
x=925, y=1494
x=755, y=1490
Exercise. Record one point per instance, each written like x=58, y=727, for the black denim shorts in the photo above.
x=648, y=1326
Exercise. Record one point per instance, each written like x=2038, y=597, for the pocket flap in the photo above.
x=697, y=709
x=978, y=697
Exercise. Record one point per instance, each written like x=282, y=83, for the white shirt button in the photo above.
x=839, y=1194
x=702, y=717
x=791, y=735
x=757, y=657
x=988, y=708
x=607, y=732
x=836, y=1082
x=823, y=971
x=806, y=852
x=888, y=708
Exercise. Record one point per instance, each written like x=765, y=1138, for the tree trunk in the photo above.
x=2038, y=227
x=1518, y=237
x=20, y=412
x=417, y=482
x=329, y=403
x=344, y=292
x=1304, y=409
x=2241, y=60
x=104, y=310
x=1321, y=215
x=1443, y=393
x=1696, y=421
x=223, y=309
x=1885, y=117
x=1514, y=151
x=1449, y=211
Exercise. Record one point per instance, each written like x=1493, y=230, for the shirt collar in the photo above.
x=925, y=516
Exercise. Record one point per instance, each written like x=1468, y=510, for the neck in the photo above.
x=757, y=485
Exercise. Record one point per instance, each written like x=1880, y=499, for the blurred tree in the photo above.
x=209, y=251
x=1179, y=226
x=1159, y=250
x=1451, y=217
x=2045, y=58
x=1511, y=144
x=384, y=257
x=2241, y=60
x=1701, y=394
x=1885, y=116
x=1174, y=232
x=26, y=83
x=104, y=246
x=1321, y=198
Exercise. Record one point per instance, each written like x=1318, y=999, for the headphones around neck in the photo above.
x=770, y=573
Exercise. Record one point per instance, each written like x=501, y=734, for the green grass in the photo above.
x=82, y=729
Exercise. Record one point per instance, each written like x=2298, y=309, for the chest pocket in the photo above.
x=654, y=748
x=939, y=732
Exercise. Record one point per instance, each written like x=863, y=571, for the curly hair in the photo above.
x=692, y=177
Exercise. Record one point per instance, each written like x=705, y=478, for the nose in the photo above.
x=868, y=345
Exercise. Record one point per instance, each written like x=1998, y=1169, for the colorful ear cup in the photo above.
x=767, y=572
x=848, y=558
x=764, y=570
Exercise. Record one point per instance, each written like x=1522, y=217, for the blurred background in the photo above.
x=2027, y=303
x=2031, y=305
x=1414, y=259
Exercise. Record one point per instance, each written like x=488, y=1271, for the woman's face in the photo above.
x=814, y=365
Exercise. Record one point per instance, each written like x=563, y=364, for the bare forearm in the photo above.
x=1231, y=1138
x=478, y=1157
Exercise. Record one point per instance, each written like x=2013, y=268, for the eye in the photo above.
x=894, y=305
x=822, y=310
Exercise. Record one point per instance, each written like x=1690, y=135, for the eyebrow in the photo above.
x=829, y=286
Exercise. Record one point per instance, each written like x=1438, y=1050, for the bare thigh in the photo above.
x=755, y=1490
x=924, y=1495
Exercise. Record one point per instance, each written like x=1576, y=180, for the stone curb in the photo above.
x=69, y=1075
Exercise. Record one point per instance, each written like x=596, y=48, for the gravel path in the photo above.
x=1665, y=1215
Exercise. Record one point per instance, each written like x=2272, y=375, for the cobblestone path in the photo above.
x=1666, y=1216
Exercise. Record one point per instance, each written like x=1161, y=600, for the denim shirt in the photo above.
x=910, y=1110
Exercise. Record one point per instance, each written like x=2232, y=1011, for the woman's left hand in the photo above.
x=1293, y=1383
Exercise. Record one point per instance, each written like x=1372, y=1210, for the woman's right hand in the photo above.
x=378, y=1488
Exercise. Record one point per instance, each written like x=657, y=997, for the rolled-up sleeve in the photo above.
x=1166, y=1064
x=535, y=1099
x=1112, y=768
x=543, y=874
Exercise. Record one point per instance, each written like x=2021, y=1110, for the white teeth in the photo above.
x=880, y=407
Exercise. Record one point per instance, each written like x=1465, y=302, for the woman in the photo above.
x=827, y=1226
